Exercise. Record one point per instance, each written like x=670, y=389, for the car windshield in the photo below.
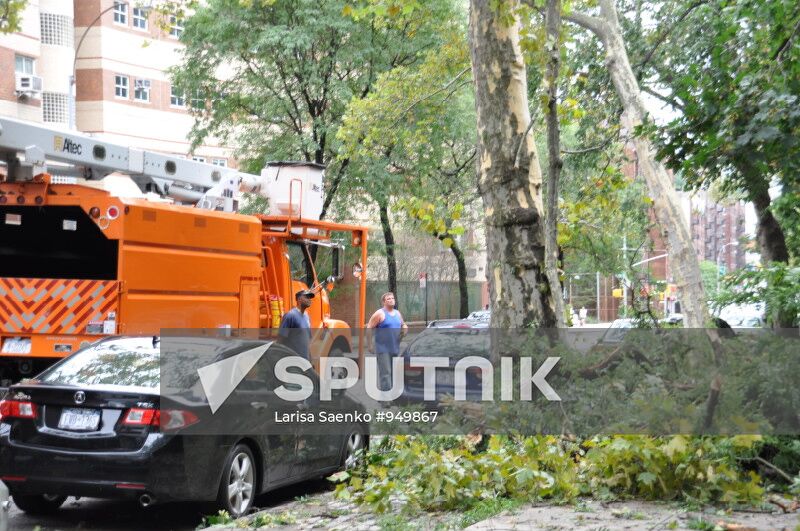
x=454, y=343
x=480, y=315
x=616, y=332
x=128, y=362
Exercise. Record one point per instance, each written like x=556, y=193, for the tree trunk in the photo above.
x=463, y=310
x=509, y=175
x=553, y=26
x=388, y=238
x=332, y=187
x=771, y=239
x=682, y=257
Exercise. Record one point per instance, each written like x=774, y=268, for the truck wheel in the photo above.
x=237, y=488
x=38, y=503
x=337, y=373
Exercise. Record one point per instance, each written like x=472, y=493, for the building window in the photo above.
x=24, y=64
x=198, y=159
x=140, y=18
x=175, y=26
x=176, y=99
x=121, y=86
x=220, y=162
x=198, y=101
x=54, y=107
x=57, y=29
x=141, y=91
x=121, y=14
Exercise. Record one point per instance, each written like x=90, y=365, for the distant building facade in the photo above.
x=718, y=231
x=121, y=91
x=40, y=56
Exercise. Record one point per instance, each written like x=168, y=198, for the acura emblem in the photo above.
x=80, y=397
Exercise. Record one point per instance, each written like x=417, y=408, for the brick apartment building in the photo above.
x=718, y=230
x=120, y=54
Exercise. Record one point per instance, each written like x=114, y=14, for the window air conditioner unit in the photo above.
x=28, y=84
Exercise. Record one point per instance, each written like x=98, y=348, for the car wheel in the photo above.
x=38, y=503
x=238, y=485
x=353, y=449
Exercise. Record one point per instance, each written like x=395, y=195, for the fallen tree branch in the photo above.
x=766, y=463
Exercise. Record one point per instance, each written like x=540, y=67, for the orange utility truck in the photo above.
x=96, y=239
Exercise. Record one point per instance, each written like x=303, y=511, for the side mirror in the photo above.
x=330, y=282
x=336, y=262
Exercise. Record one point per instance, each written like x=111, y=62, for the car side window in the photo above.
x=266, y=367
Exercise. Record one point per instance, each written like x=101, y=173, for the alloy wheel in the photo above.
x=353, y=447
x=240, y=483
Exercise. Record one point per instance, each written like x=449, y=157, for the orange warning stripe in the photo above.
x=54, y=306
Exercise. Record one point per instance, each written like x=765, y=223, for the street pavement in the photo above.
x=591, y=515
x=117, y=515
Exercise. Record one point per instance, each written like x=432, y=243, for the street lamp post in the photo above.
x=719, y=255
x=147, y=4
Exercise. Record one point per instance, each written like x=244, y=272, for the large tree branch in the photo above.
x=596, y=25
x=785, y=44
x=666, y=99
x=429, y=96
x=295, y=120
x=663, y=36
x=333, y=186
x=289, y=94
x=581, y=151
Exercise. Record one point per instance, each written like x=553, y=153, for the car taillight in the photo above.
x=168, y=419
x=173, y=419
x=141, y=417
x=17, y=409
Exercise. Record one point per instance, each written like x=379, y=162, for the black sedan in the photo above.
x=455, y=344
x=96, y=425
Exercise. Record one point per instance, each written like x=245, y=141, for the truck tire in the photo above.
x=337, y=373
x=40, y=504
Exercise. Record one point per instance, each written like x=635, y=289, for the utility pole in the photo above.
x=423, y=283
x=598, y=297
x=625, y=272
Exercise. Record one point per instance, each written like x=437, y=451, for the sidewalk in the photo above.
x=634, y=515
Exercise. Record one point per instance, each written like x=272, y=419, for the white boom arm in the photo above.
x=212, y=187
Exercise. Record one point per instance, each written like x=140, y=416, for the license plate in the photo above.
x=79, y=419
x=17, y=345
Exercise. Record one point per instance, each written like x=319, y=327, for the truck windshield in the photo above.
x=300, y=263
x=54, y=242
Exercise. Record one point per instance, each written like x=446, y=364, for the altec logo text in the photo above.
x=67, y=145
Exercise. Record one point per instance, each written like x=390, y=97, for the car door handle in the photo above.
x=259, y=405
